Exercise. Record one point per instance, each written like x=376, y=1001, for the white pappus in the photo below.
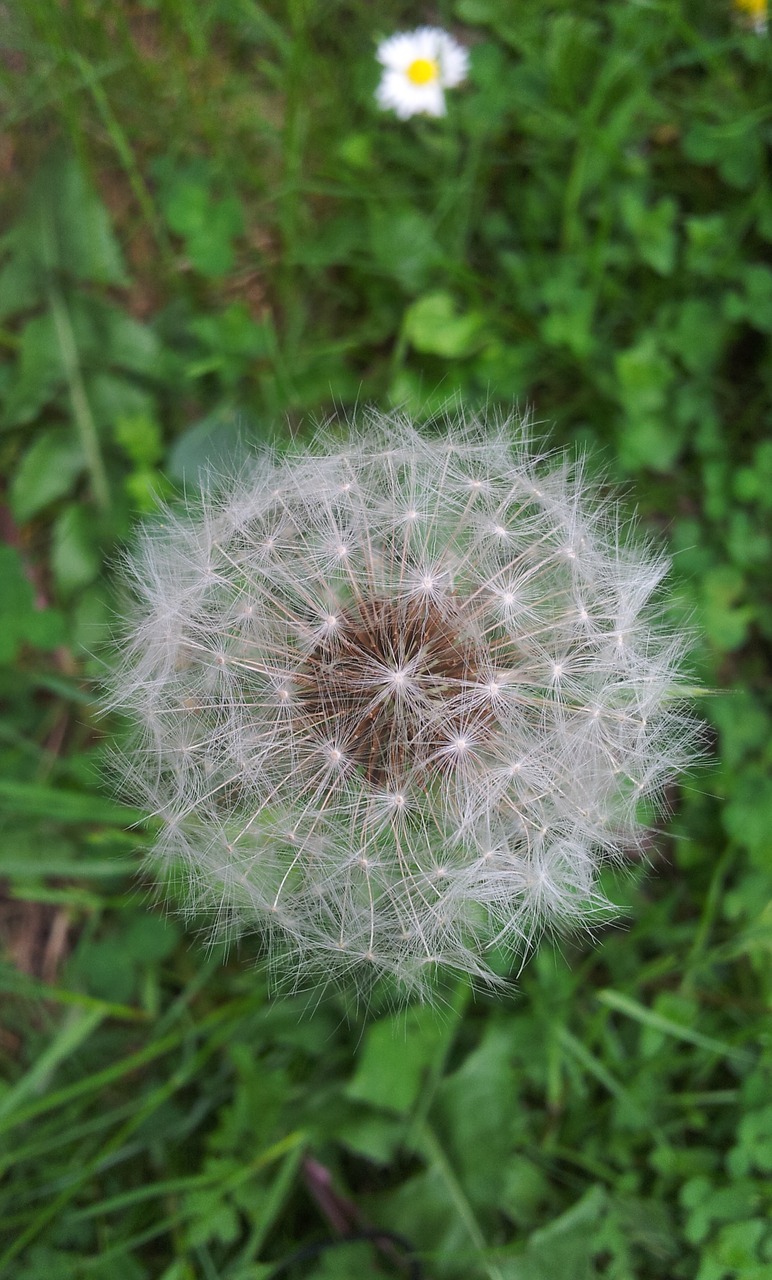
x=397, y=698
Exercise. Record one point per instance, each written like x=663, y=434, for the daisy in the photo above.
x=418, y=67
x=753, y=13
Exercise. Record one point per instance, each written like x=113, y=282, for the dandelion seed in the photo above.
x=417, y=751
x=418, y=67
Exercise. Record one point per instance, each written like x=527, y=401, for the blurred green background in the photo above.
x=212, y=237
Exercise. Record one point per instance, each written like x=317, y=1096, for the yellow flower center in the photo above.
x=422, y=71
x=755, y=8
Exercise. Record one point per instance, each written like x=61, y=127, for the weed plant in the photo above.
x=212, y=236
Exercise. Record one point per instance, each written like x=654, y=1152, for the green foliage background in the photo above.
x=211, y=237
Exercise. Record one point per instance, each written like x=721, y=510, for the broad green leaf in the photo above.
x=207, y=219
x=754, y=304
x=124, y=342
x=47, y=471
x=139, y=435
x=653, y=228
x=21, y=620
x=747, y=815
x=75, y=556
x=644, y=376
x=754, y=1144
x=404, y=245
x=697, y=333
x=734, y=145
x=114, y=397
x=81, y=237
x=707, y=1205
x=743, y=722
x=434, y=325
x=233, y=341
x=21, y=285
x=219, y=442
x=394, y=1059
x=479, y=1105
x=651, y=440
x=710, y=249
x=725, y=613
x=39, y=373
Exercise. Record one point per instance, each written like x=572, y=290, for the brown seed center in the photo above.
x=389, y=683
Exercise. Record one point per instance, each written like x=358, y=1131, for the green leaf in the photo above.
x=649, y=441
x=744, y=724
x=82, y=241
x=404, y=246
x=747, y=815
x=565, y=1246
x=139, y=435
x=125, y=342
x=434, y=325
x=483, y=1125
x=707, y=1205
x=373, y=1135
x=697, y=334
x=657, y=1022
x=207, y=220
x=653, y=228
x=63, y=806
x=219, y=442
x=233, y=342
x=570, y=319
x=75, y=556
x=114, y=398
x=754, y=304
x=726, y=615
x=21, y=621
x=356, y=149
x=710, y=245
x=737, y=1250
x=46, y=472
x=150, y=939
x=39, y=372
x=754, y=1144
x=77, y=1027
x=644, y=376
x=210, y=1218
x=735, y=146
x=21, y=286
x=394, y=1059
x=573, y=49
x=649, y=436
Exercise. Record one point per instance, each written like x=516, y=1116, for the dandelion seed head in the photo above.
x=421, y=726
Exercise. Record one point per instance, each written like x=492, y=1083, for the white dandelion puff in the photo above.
x=418, y=66
x=396, y=703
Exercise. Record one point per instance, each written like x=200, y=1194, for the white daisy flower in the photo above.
x=753, y=14
x=418, y=67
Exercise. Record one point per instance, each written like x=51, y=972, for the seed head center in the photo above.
x=388, y=680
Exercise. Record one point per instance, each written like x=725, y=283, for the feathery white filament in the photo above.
x=396, y=703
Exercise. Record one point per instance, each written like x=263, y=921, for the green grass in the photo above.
x=212, y=238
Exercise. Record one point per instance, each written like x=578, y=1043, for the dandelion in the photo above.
x=753, y=14
x=398, y=699
x=418, y=67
